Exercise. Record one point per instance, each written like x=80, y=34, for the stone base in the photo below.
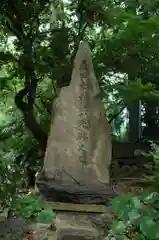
x=73, y=193
x=75, y=226
x=66, y=226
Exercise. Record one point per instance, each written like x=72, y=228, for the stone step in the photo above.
x=92, y=208
x=75, y=226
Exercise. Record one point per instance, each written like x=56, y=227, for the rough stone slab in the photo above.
x=78, y=233
x=13, y=228
x=43, y=232
x=79, y=149
x=66, y=192
x=92, y=208
x=75, y=227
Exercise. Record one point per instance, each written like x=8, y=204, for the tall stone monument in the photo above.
x=79, y=150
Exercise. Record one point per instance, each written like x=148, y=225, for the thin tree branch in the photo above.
x=117, y=114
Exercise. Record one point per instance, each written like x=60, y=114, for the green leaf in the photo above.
x=121, y=237
x=138, y=236
x=149, y=228
x=119, y=202
x=123, y=214
x=134, y=216
x=31, y=199
x=149, y=212
x=136, y=202
x=118, y=227
x=46, y=216
x=26, y=212
x=151, y=198
x=29, y=206
x=123, y=205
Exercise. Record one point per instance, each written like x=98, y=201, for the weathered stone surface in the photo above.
x=79, y=150
x=3, y=215
x=78, y=233
x=43, y=232
x=13, y=229
x=82, y=225
x=101, y=220
x=75, y=227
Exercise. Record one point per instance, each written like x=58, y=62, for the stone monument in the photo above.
x=79, y=150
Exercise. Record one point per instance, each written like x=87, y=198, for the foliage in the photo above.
x=137, y=217
x=142, y=91
x=18, y=157
x=152, y=179
x=38, y=42
x=32, y=208
x=11, y=181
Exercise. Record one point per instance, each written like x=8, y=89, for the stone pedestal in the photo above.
x=74, y=226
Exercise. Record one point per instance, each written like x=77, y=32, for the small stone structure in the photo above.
x=73, y=226
x=67, y=226
x=79, y=150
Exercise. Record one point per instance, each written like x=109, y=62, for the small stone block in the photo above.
x=75, y=233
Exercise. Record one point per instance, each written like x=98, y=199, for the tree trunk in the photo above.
x=151, y=130
x=30, y=120
x=134, y=122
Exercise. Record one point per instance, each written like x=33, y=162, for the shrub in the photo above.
x=137, y=217
x=153, y=179
x=11, y=180
x=32, y=208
